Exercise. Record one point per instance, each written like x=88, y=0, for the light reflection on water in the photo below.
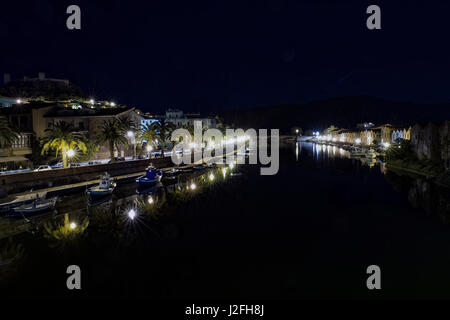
x=325, y=152
x=68, y=217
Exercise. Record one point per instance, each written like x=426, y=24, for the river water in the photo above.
x=308, y=232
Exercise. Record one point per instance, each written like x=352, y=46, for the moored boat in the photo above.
x=151, y=176
x=371, y=154
x=37, y=206
x=172, y=173
x=357, y=152
x=105, y=187
x=9, y=203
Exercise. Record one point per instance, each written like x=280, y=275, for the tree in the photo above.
x=91, y=149
x=164, y=130
x=113, y=132
x=62, y=138
x=147, y=134
x=7, y=133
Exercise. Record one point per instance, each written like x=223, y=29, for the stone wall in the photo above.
x=427, y=141
x=13, y=183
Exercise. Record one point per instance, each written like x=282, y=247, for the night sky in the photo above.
x=216, y=55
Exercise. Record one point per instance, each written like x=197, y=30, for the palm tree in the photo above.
x=62, y=138
x=125, y=123
x=164, y=130
x=147, y=134
x=7, y=133
x=113, y=132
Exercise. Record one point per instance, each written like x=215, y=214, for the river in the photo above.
x=309, y=231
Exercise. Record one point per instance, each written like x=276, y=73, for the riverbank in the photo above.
x=440, y=178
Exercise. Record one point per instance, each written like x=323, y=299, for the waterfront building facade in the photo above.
x=367, y=134
x=179, y=118
x=89, y=122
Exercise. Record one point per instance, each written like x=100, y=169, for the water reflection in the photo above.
x=65, y=232
x=420, y=192
x=327, y=153
x=11, y=254
x=123, y=217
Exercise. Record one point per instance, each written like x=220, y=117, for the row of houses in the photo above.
x=368, y=134
x=430, y=141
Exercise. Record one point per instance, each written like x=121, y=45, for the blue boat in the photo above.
x=151, y=176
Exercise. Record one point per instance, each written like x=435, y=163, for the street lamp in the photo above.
x=19, y=101
x=70, y=153
x=149, y=149
x=130, y=135
x=131, y=214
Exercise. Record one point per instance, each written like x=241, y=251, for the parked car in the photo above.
x=72, y=165
x=43, y=168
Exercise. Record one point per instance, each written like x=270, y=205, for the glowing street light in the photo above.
x=112, y=104
x=211, y=177
x=130, y=135
x=193, y=186
x=91, y=101
x=18, y=101
x=73, y=226
x=150, y=200
x=296, y=131
x=131, y=214
x=70, y=153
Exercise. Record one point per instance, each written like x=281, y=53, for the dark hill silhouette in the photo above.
x=46, y=89
x=342, y=112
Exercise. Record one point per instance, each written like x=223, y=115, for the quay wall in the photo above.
x=20, y=182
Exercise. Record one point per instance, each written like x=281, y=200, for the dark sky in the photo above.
x=215, y=55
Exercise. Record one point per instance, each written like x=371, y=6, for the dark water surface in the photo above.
x=308, y=232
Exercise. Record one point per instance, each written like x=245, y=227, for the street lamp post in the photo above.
x=70, y=153
x=130, y=135
x=149, y=149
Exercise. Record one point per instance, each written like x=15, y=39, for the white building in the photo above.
x=179, y=118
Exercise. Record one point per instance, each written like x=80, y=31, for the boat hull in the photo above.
x=27, y=210
x=143, y=181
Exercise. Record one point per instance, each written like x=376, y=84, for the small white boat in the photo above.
x=357, y=152
x=105, y=187
x=8, y=204
x=37, y=206
x=172, y=172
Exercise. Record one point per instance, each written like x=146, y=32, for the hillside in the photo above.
x=45, y=89
x=341, y=112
